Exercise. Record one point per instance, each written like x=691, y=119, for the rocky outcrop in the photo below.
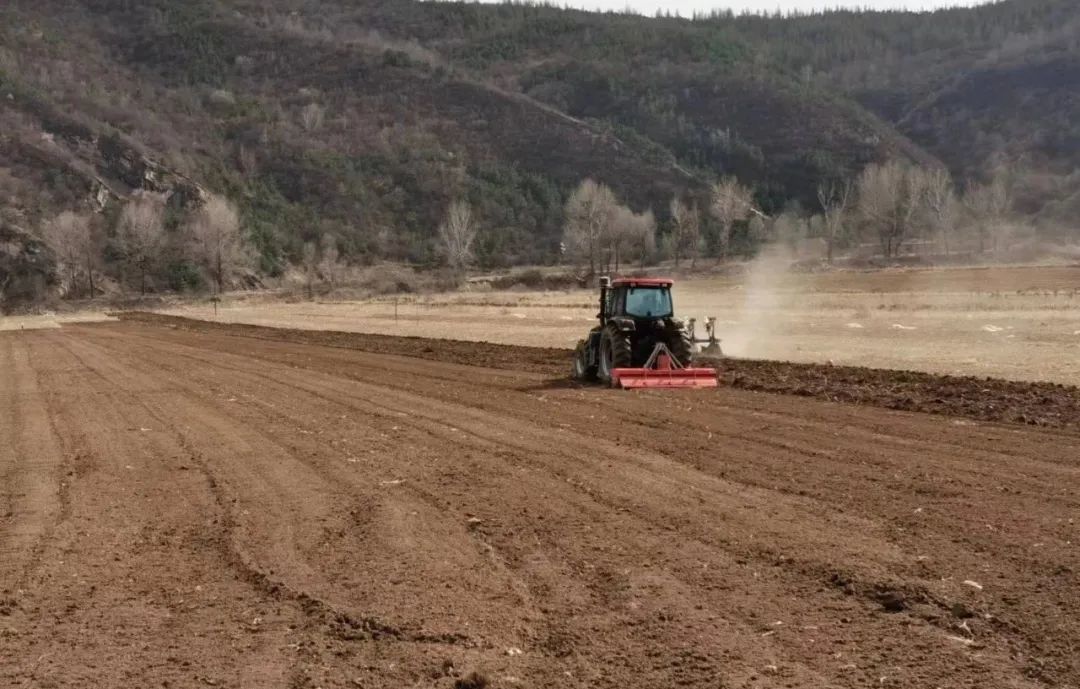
x=27, y=268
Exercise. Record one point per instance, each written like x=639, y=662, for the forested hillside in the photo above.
x=355, y=125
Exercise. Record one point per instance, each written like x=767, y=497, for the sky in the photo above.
x=687, y=8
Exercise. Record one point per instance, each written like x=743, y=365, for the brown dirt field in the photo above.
x=201, y=508
x=985, y=399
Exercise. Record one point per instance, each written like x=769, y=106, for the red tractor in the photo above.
x=639, y=343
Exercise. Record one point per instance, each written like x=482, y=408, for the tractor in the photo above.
x=639, y=343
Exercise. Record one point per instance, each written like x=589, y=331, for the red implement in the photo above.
x=635, y=378
x=663, y=371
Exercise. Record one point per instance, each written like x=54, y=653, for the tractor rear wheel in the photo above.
x=615, y=352
x=582, y=370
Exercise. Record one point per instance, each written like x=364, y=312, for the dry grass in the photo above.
x=50, y=320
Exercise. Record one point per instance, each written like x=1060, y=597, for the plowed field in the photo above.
x=198, y=506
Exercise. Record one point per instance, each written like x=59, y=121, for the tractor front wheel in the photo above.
x=615, y=352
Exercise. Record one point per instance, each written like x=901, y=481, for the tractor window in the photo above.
x=648, y=302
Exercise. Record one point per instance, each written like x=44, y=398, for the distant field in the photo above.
x=48, y=321
x=1016, y=323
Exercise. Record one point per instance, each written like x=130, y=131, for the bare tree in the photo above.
x=309, y=262
x=730, y=203
x=618, y=237
x=588, y=218
x=989, y=205
x=835, y=199
x=217, y=241
x=643, y=236
x=76, y=244
x=330, y=257
x=685, y=236
x=457, y=234
x=941, y=204
x=312, y=117
x=141, y=233
x=891, y=196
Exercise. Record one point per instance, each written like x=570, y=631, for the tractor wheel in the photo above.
x=615, y=352
x=583, y=371
x=681, y=346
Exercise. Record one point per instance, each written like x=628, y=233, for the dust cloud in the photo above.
x=754, y=322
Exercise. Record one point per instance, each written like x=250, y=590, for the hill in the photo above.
x=364, y=120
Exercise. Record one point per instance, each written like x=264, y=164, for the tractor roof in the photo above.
x=642, y=282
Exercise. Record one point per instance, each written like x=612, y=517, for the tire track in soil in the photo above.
x=34, y=498
x=176, y=531
x=322, y=617
x=346, y=627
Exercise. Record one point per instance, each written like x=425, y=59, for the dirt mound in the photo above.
x=984, y=399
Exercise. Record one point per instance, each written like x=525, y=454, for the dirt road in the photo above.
x=191, y=509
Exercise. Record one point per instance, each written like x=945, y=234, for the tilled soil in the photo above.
x=985, y=399
x=192, y=508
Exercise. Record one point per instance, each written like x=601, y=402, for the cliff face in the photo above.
x=27, y=269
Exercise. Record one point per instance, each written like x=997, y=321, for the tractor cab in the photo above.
x=640, y=299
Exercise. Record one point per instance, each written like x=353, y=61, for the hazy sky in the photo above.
x=688, y=7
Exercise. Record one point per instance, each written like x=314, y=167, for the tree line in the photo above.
x=151, y=245
x=890, y=205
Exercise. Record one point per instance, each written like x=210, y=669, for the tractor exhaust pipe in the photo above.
x=605, y=285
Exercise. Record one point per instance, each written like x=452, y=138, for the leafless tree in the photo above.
x=941, y=204
x=989, y=206
x=643, y=236
x=309, y=261
x=330, y=257
x=619, y=236
x=685, y=236
x=141, y=233
x=77, y=245
x=217, y=240
x=730, y=203
x=835, y=199
x=312, y=117
x=457, y=234
x=588, y=218
x=891, y=196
